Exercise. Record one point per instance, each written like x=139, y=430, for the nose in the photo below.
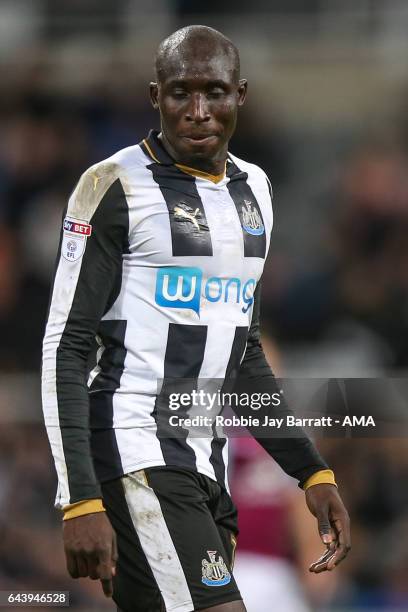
x=197, y=110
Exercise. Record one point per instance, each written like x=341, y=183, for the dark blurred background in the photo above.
x=326, y=119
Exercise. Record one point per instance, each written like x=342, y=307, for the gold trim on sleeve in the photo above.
x=87, y=506
x=320, y=477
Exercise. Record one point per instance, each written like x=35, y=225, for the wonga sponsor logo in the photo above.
x=184, y=287
x=179, y=288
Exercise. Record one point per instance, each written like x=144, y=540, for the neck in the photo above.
x=213, y=166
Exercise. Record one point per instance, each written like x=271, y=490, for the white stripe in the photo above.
x=97, y=369
x=65, y=284
x=155, y=539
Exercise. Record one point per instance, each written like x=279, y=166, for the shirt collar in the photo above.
x=154, y=149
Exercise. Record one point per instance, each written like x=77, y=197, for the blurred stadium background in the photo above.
x=326, y=118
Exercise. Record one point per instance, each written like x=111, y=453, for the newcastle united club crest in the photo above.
x=215, y=572
x=251, y=220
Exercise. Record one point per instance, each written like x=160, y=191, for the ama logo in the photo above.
x=183, y=288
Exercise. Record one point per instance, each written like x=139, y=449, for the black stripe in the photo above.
x=104, y=446
x=98, y=285
x=181, y=196
x=245, y=200
x=156, y=147
x=183, y=360
x=180, y=192
x=217, y=444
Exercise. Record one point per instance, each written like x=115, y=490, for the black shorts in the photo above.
x=176, y=532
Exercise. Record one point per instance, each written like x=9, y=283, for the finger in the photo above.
x=339, y=555
x=114, y=553
x=82, y=565
x=318, y=568
x=93, y=574
x=342, y=527
x=93, y=567
x=322, y=560
x=107, y=587
x=105, y=572
x=344, y=545
x=72, y=565
x=334, y=556
x=324, y=526
x=321, y=564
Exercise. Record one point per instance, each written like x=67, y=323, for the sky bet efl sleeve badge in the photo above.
x=74, y=239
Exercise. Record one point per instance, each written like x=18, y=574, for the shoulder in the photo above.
x=254, y=172
x=115, y=167
x=98, y=179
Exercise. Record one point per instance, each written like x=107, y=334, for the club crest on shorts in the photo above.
x=215, y=573
x=74, y=238
x=251, y=220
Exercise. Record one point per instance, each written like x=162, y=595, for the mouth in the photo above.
x=199, y=138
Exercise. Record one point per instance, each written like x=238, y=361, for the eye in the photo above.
x=179, y=94
x=215, y=94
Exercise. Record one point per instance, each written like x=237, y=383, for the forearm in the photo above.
x=292, y=450
x=290, y=447
x=66, y=417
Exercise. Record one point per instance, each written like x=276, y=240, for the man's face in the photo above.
x=198, y=98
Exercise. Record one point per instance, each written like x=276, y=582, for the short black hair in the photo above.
x=198, y=35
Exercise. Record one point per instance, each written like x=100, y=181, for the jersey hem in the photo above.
x=183, y=607
x=142, y=465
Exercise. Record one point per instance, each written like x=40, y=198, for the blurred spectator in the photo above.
x=360, y=281
x=29, y=525
x=265, y=564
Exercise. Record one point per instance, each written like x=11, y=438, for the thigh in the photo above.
x=179, y=537
x=225, y=516
x=134, y=586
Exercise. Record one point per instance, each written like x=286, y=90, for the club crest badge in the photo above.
x=74, y=238
x=251, y=220
x=214, y=572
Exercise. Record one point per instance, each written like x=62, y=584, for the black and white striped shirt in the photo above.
x=160, y=266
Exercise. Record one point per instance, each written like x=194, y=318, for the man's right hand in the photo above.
x=90, y=548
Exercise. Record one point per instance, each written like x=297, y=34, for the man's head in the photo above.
x=198, y=91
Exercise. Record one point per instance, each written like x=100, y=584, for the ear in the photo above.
x=154, y=94
x=242, y=91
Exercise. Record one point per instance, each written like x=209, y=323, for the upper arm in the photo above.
x=87, y=281
x=94, y=237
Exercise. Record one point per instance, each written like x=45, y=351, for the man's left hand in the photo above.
x=324, y=502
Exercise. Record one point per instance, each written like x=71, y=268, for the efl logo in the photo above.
x=83, y=229
x=182, y=288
